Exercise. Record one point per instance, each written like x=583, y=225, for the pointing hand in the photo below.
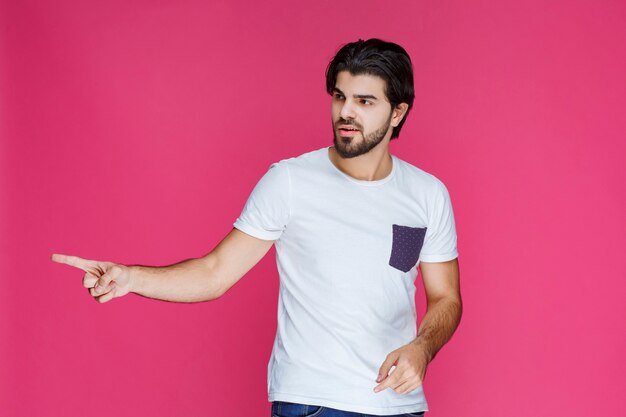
x=105, y=280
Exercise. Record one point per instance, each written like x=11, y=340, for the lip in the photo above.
x=347, y=133
x=347, y=127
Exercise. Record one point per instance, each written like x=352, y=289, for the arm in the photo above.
x=205, y=278
x=192, y=280
x=443, y=314
x=444, y=305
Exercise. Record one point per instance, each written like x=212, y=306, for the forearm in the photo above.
x=187, y=281
x=438, y=324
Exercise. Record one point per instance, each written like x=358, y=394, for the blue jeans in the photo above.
x=285, y=409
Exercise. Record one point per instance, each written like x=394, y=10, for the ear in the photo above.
x=398, y=113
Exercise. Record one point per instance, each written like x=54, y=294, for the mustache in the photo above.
x=345, y=122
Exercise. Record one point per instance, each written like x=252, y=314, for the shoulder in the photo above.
x=310, y=159
x=419, y=177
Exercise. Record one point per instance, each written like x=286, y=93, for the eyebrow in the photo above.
x=365, y=96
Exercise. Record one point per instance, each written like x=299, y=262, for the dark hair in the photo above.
x=377, y=57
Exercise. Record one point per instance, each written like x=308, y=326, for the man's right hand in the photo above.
x=189, y=281
x=105, y=280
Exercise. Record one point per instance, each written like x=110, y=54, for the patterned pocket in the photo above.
x=406, y=247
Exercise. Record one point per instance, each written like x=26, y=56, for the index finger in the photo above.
x=71, y=260
x=390, y=380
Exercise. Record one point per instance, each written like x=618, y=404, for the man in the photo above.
x=351, y=224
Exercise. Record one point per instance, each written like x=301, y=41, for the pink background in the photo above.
x=134, y=132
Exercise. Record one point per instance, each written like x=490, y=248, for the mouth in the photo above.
x=346, y=130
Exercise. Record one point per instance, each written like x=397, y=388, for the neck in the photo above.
x=371, y=166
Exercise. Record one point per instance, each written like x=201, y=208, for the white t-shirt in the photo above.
x=347, y=252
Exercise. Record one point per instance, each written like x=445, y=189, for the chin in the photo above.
x=344, y=150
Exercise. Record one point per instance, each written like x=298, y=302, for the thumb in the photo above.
x=390, y=361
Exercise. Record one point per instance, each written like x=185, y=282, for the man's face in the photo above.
x=359, y=103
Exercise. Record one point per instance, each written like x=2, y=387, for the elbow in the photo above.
x=216, y=293
x=212, y=286
x=452, y=304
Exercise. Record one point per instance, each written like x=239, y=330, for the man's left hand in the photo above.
x=410, y=367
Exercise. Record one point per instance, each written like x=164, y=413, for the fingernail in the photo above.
x=98, y=288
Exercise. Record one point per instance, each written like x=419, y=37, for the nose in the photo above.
x=347, y=111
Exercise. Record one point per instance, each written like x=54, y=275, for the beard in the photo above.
x=349, y=147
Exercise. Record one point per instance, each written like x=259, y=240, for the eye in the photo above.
x=365, y=101
x=338, y=96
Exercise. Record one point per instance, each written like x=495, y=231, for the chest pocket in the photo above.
x=406, y=246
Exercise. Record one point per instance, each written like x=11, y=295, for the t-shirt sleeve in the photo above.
x=440, y=239
x=267, y=211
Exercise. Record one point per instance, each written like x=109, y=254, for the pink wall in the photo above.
x=134, y=132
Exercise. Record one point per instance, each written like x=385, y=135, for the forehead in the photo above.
x=360, y=84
